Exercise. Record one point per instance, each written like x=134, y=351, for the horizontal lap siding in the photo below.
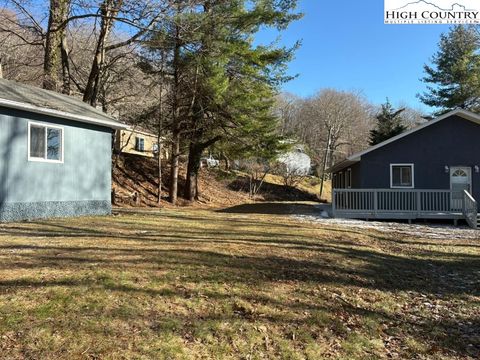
x=85, y=174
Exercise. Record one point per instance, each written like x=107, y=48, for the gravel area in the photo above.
x=433, y=231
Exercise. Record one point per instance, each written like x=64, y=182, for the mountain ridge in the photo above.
x=434, y=5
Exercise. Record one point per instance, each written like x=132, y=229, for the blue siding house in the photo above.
x=432, y=171
x=55, y=155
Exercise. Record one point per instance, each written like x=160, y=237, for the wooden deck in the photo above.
x=404, y=204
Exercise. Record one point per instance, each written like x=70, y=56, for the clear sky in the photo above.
x=346, y=46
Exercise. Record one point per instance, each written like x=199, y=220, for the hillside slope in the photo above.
x=134, y=174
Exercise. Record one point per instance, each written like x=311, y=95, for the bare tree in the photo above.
x=21, y=49
x=287, y=108
x=333, y=124
x=412, y=117
x=56, y=51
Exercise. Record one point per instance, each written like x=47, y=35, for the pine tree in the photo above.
x=389, y=124
x=237, y=81
x=221, y=85
x=455, y=74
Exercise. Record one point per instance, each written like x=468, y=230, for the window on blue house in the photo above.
x=348, y=179
x=45, y=143
x=401, y=176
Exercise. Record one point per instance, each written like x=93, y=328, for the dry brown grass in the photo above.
x=212, y=285
x=310, y=185
x=136, y=174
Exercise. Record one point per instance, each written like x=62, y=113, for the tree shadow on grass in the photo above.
x=381, y=272
x=331, y=264
x=273, y=192
x=271, y=208
x=265, y=258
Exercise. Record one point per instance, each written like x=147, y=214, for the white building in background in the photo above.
x=296, y=161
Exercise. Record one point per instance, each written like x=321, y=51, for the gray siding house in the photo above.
x=432, y=171
x=55, y=155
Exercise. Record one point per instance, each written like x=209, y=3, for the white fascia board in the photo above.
x=61, y=114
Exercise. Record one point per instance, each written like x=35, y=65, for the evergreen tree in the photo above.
x=389, y=124
x=455, y=74
x=237, y=81
x=221, y=84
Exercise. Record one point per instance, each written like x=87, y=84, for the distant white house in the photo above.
x=296, y=161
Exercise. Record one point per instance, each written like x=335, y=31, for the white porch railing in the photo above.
x=470, y=209
x=403, y=203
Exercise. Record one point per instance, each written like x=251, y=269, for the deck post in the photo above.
x=334, y=192
x=419, y=202
x=407, y=204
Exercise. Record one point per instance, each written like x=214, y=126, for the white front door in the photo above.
x=460, y=180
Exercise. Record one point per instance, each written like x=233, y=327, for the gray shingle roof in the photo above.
x=33, y=97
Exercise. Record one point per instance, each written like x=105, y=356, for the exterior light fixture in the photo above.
x=447, y=169
x=477, y=169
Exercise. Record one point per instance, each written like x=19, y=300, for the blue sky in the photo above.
x=346, y=46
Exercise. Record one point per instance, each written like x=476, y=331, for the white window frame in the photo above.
x=46, y=125
x=348, y=177
x=137, y=142
x=402, y=187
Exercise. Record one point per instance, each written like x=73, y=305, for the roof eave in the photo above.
x=468, y=115
x=342, y=165
x=460, y=112
x=61, y=114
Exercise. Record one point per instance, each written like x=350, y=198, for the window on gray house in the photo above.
x=402, y=176
x=45, y=143
x=54, y=138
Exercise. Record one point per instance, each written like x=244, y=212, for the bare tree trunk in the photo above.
x=65, y=52
x=174, y=164
x=160, y=147
x=325, y=160
x=160, y=135
x=194, y=158
x=109, y=10
x=59, y=11
x=227, y=161
x=174, y=167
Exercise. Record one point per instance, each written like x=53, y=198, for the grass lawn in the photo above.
x=191, y=284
